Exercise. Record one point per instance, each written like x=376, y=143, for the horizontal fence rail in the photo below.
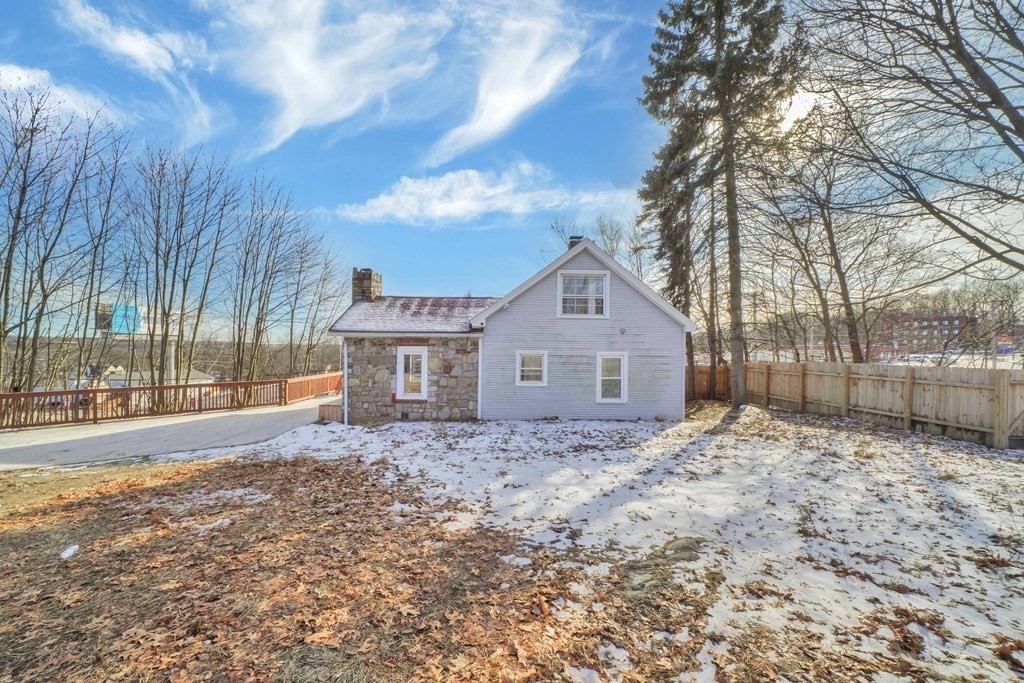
x=301, y=388
x=969, y=404
x=76, y=406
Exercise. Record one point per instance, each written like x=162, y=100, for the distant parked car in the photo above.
x=66, y=400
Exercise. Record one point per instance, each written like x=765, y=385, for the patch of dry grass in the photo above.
x=293, y=570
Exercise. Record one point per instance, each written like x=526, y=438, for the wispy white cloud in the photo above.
x=163, y=56
x=8, y=37
x=71, y=100
x=469, y=194
x=322, y=63
x=140, y=49
x=529, y=51
x=359, y=62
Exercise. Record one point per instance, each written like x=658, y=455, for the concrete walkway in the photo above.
x=154, y=436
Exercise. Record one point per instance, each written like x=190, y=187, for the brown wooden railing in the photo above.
x=301, y=388
x=76, y=406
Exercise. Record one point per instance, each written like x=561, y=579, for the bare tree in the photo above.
x=624, y=241
x=842, y=235
x=182, y=212
x=268, y=249
x=317, y=291
x=934, y=92
x=54, y=170
x=89, y=226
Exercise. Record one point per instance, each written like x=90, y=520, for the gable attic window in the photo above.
x=583, y=294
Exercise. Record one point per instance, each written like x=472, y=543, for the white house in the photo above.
x=583, y=338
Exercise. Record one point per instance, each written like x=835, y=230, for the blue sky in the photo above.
x=431, y=141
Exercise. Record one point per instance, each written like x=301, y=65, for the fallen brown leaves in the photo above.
x=296, y=570
x=308, y=570
x=1012, y=652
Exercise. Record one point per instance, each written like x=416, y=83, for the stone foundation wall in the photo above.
x=452, y=367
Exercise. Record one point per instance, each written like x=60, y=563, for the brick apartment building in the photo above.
x=930, y=334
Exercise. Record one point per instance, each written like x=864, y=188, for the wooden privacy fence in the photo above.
x=983, y=406
x=701, y=387
x=74, y=406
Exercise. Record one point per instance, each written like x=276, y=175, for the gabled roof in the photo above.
x=411, y=314
x=587, y=245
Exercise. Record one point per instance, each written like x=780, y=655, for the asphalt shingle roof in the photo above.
x=419, y=314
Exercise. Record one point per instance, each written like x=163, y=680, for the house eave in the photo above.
x=480, y=319
x=348, y=334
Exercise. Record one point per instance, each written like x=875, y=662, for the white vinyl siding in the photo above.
x=583, y=294
x=653, y=340
x=531, y=368
x=411, y=373
x=612, y=377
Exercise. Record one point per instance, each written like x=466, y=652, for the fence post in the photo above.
x=1001, y=433
x=845, y=403
x=767, y=385
x=96, y=407
x=803, y=388
x=282, y=398
x=908, y=400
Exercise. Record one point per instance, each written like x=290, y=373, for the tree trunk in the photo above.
x=738, y=381
x=691, y=380
x=712, y=323
x=849, y=315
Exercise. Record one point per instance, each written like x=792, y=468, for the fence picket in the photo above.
x=963, y=403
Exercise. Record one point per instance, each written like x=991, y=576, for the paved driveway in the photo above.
x=156, y=436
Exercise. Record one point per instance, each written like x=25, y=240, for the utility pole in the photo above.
x=173, y=373
x=995, y=340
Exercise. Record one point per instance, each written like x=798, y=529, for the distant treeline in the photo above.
x=201, y=251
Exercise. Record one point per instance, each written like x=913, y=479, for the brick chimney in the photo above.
x=574, y=240
x=366, y=285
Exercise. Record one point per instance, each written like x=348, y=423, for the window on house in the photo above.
x=612, y=377
x=531, y=368
x=582, y=294
x=412, y=373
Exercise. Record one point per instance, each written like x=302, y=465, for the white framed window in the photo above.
x=411, y=373
x=612, y=378
x=583, y=294
x=531, y=368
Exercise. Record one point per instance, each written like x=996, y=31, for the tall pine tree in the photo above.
x=719, y=77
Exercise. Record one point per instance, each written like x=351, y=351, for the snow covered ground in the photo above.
x=881, y=545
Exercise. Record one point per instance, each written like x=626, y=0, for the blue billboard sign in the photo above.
x=124, y=319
